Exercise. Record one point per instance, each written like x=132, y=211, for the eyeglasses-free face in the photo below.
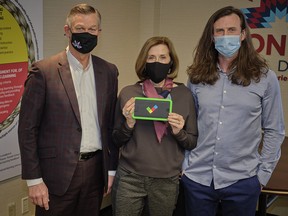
x=158, y=53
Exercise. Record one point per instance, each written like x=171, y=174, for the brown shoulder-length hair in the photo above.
x=142, y=57
x=249, y=64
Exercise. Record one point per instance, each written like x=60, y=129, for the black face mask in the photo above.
x=84, y=42
x=157, y=71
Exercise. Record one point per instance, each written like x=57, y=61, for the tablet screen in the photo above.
x=152, y=108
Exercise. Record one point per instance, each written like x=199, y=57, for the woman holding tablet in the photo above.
x=152, y=151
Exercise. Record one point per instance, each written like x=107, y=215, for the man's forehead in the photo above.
x=85, y=19
x=228, y=21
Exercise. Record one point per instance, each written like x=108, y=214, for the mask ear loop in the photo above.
x=171, y=64
x=144, y=71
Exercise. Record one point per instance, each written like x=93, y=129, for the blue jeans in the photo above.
x=238, y=199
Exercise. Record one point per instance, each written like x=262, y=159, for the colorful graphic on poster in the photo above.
x=17, y=52
x=269, y=24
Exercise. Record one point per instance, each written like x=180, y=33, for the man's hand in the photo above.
x=110, y=183
x=39, y=195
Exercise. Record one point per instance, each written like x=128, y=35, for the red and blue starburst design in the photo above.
x=261, y=17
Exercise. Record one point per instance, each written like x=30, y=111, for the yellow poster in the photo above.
x=17, y=51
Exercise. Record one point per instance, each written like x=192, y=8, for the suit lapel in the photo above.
x=66, y=77
x=99, y=83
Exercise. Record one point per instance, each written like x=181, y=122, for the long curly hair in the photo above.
x=249, y=65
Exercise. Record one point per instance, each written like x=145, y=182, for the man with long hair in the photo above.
x=239, y=107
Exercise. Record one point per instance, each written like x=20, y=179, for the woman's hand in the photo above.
x=176, y=121
x=127, y=111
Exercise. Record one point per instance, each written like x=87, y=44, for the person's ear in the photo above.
x=67, y=31
x=243, y=35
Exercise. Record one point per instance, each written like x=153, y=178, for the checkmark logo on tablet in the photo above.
x=151, y=110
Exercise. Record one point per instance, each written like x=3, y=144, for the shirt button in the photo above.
x=224, y=91
x=216, y=153
x=218, y=138
x=222, y=107
x=214, y=166
x=220, y=123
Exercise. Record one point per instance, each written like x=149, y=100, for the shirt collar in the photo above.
x=75, y=64
x=221, y=71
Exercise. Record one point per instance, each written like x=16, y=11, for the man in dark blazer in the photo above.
x=66, y=121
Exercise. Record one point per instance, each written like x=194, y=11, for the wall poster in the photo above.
x=21, y=42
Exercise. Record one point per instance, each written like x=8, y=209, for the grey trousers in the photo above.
x=136, y=195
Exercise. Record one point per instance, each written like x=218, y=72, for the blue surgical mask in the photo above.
x=227, y=45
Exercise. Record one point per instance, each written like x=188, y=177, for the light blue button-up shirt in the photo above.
x=231, y=121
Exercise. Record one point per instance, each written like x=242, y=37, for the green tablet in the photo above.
x=152, y=108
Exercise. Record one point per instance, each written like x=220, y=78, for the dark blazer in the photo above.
x=49, y=123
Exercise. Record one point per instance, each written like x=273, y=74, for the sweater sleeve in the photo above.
x=187, y=137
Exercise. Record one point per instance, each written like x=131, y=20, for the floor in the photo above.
x=278, y=208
